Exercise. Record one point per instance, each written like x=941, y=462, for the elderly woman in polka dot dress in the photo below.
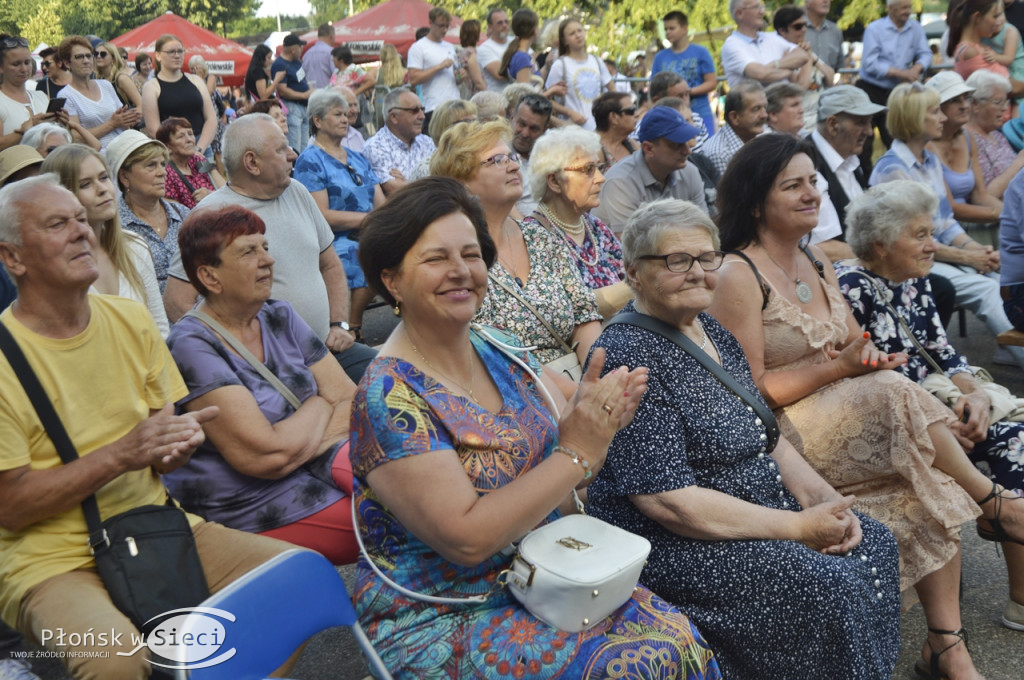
x=781, y=576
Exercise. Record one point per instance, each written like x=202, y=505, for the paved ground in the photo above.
x=998, y=652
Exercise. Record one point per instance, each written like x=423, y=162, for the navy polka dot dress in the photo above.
x=770, y=609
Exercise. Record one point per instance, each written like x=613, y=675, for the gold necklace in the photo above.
x=316, y=142
x=472, y=369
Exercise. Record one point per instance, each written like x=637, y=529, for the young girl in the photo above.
x=1007, y=49
x=970, y=23
x=585, y=75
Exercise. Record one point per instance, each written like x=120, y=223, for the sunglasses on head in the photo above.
x=11, y=43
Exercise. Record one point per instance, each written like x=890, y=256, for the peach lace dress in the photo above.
x=868, y=436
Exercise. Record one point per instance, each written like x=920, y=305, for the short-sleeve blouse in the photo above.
x=93, y=112
x=601, y=266
x=207, y=485
x=317, y=170
x=162, y=249
x=174, y=186
x=995, y=154
x=554, y=287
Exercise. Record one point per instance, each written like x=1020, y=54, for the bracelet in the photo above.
x=577, y=459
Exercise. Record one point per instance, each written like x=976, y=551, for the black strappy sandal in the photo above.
x=930, y=670
x=996, y=533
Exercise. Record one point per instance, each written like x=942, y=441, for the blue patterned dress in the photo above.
x=1001, y=455
x=771, y=609
x=398, y=411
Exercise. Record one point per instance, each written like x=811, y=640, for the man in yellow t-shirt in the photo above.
x=112, y=381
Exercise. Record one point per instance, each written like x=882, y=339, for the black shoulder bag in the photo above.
x=147, y=556
x=658, y=326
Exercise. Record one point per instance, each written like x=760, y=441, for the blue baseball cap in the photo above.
x=663, y=121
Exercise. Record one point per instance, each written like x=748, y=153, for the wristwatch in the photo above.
x=343, y=325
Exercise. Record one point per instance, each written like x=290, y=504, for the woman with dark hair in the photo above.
x=276, y=463
x=868, y=430
x=465, y=55
x=57, y=75
x=585, y=76
x=969, y=22
x=189, y=179
x=258, y=83
x=143, y=69
x=615, y=117
x=516, y=64
x=20, y=108
x=442, y=408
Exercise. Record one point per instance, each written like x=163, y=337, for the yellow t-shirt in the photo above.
x=102, y=382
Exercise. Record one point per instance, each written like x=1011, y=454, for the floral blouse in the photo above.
x=912, y=299
x=555, y=289
x=601, y=267
x=175, y=189
x=995, y=154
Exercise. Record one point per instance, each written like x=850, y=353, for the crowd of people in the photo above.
x=585, y=275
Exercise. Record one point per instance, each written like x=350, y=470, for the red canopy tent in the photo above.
x=227, y=59
x=392, y=22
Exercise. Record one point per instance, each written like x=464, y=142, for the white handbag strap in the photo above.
x=509, y=351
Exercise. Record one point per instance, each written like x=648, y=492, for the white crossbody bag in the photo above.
x=571, y=573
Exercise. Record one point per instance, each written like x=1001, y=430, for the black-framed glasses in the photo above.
x=630, y=111
x=798, y=26
x=587, y=169
x=356, y=179
x=502, y=159
x=11, y=43
x=410, y=109
x=680, y=263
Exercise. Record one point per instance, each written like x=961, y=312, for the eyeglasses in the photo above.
x=502, y=159
x=174, y=53
x=998, y=103
x=101, y=55
x=798, y=26
x=410, y=109
x=82, y=56
x=46, y=64
x=680, y=263
x=589, y=169
x=631, y=111
x=11, y=43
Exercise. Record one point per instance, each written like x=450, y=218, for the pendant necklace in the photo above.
x=803, y=291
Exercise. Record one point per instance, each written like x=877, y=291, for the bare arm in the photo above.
x=338, y=220
x=333, y=274
x=162, y=441
x=288, y=93
x=475, y=74
x=466, y=527
x=585, y=335
x=418, y=76
x=127, y=87
x=209, y=113
x=709, y=85
x=266, y=88
x=179, y=297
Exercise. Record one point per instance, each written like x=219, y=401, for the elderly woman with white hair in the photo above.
x=784, y=579
x=566, y=172
x=890, y=230
x=990, y=102
x=344, y=186
x=46, y=137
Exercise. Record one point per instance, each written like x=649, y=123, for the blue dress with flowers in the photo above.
x=398, y=412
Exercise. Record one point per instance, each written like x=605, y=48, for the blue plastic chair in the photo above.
x=277, y=607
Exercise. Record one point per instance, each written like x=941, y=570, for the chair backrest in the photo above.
x=277, y=607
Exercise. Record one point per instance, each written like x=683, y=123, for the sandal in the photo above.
x=930, y=670
x=996, y=532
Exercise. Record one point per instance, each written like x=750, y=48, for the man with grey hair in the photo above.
x=658, y=169
x=400, y=146
x=751, y=53
x=490, y=51
x=895, y=51
x=117, y=384
x=745, y=116
x=307, y=271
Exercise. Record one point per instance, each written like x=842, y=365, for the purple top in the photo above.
x=207, y=485
x=599, y=268
x=995, y=154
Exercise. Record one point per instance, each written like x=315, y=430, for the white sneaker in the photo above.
x=1013, y=615
x=16, y=669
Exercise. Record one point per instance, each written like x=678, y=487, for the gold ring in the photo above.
x=607, y=409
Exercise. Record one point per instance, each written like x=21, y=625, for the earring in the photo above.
x=397, y=310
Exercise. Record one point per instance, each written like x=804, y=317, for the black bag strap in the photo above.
x=182, y=177
x=658, y=326
x=51, y=423
x=765, y=288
